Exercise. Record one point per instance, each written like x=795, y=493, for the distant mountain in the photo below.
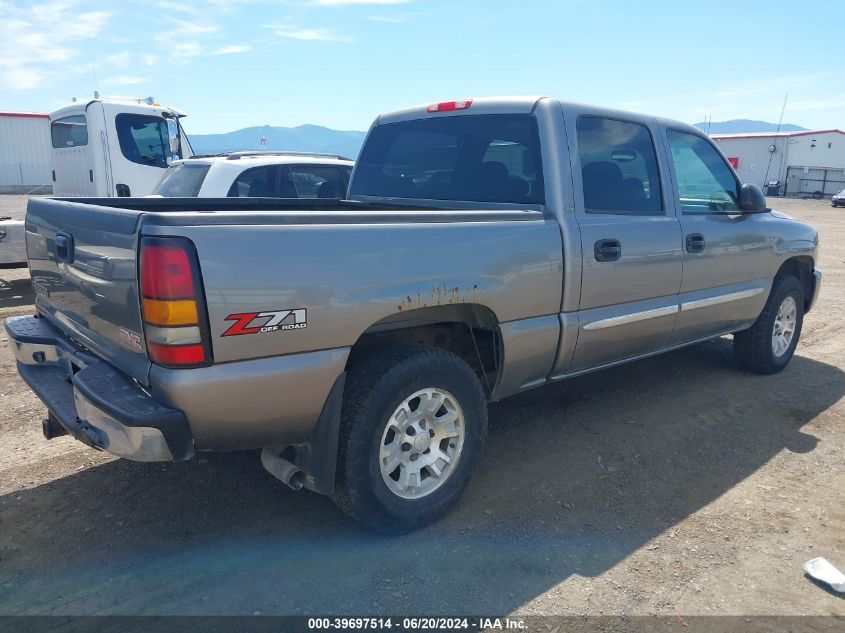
x=746, y=126
x=304, y=138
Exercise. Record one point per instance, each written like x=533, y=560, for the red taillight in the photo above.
x=176, y=354
x=166, y=272
x=172, y=303
x=450, y=106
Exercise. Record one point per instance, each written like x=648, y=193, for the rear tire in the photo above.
x=413, y=423
x=768, y=346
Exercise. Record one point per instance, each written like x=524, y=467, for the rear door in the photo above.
x=82, y=261
x=630, y=240
x=726, y=253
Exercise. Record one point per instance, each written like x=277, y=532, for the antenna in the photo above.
x=777, y=136
x=96, y=81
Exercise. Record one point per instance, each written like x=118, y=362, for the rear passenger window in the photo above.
x=618, y=167
x=705, y=182
x=258, y=182
x=318, y=181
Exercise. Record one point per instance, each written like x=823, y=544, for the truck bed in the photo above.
x=348, y=264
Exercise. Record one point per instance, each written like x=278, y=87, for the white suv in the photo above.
x=257, y=175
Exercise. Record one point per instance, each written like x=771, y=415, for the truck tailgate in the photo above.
x=83, y=261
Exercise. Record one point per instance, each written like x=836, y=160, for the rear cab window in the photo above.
x=472, y=158
x=69, y=131
x=182, y=181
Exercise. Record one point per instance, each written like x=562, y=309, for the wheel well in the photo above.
x=802, y=269
x=469, y=331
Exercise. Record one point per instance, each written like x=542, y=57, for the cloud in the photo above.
x=293, y=31
x=296, y=33
x=36, y=39
x=232, y=49
x=120, y=60
x=185, y=40
x=343, y=3
x=835, y=101
x=185, y=28
x=22, y=78
x=387, y=19
x=185, y=50
x=179, y=7
x=123, y=80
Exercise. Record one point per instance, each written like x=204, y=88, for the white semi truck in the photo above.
x=114, y=147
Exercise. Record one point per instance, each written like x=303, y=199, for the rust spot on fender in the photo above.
x=441, y=294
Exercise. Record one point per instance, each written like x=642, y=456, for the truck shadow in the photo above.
x=14, y=292
x=576, y=477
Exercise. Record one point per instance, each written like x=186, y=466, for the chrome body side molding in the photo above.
x=625, y=319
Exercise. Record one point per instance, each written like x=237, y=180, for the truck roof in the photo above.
x=515, y=105
x=267, y=158
x=131, y=105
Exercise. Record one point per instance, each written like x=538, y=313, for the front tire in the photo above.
x=768, y=346
x=413, y=423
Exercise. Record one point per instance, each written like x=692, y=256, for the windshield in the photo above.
x=476, y=158
x=144, y=139
x=182, y=180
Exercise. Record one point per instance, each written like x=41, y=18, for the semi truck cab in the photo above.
x=114, y=147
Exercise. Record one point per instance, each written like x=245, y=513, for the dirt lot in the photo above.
x=675, y=485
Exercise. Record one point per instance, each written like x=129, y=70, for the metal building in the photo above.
x=801, y=163
x=25, y=153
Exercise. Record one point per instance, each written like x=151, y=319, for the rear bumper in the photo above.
x=94, y=402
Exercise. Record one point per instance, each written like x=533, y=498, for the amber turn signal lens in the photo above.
x=170, y=312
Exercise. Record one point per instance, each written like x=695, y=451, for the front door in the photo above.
x=139, y=149
x=726, y=253
x=630, y=240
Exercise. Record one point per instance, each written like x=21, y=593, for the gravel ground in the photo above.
x=674, y=485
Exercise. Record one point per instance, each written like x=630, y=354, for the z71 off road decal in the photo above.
x=271, y=321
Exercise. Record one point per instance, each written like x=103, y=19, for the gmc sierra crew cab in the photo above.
x=486, y=247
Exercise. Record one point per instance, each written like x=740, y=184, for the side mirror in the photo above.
x=751, y=199
x=173, y=134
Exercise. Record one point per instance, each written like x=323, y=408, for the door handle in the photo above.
x=607, y=250
x=695, y=243
x=64, y=247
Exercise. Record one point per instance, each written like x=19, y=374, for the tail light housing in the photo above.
x=173, y=303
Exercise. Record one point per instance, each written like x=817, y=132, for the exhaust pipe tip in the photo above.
x=297, y=480
x=285, y=471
